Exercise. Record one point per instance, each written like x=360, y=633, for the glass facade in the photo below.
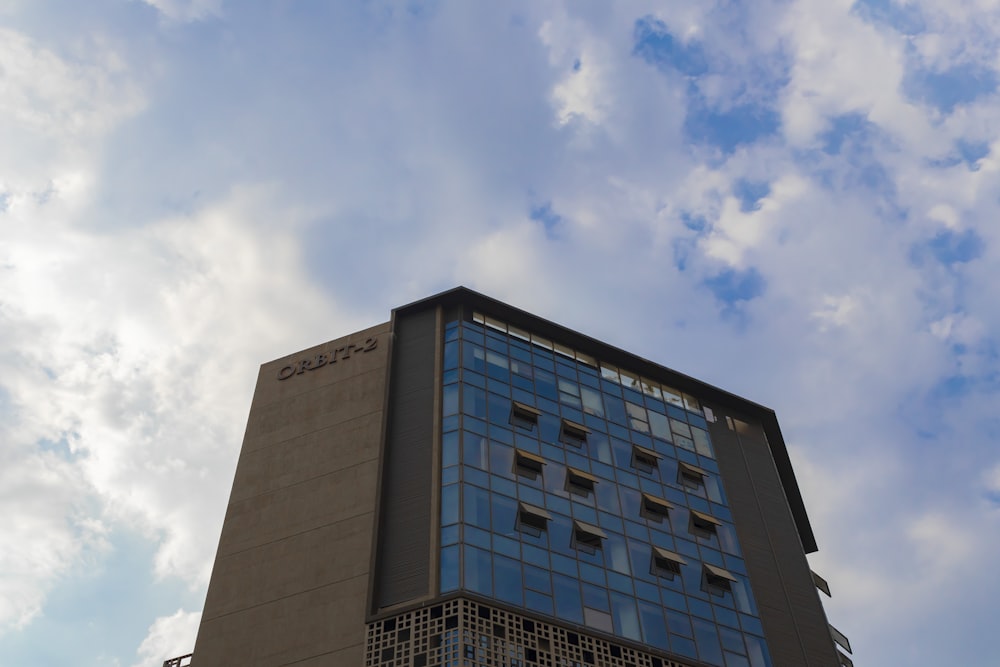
x=579, y=491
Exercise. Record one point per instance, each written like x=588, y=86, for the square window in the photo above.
x=645, y=460
x=654, y=509
x=580, y=483
x=532, y=520
x=703, y=525
x=587, y=538
x=690, y=476
x=527, y=464
x=573, y=434
x=715, y=580
x=524, y=416
x=666, y=564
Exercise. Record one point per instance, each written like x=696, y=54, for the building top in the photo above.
x=470, y=303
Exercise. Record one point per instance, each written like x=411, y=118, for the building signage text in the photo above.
x=323, y=358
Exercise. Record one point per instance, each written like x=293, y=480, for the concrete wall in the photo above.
x=290, y=581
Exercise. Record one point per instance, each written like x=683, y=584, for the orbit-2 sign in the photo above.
x=323, y=358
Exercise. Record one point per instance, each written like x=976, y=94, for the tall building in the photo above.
x=469, y=484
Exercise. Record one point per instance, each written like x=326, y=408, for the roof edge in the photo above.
x=460, y=295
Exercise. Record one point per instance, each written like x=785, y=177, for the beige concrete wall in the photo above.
x=290, y=581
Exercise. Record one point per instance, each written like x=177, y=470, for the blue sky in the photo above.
x=793, y=200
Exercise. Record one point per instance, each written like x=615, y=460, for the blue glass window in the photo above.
x=473, y=357
x=507, y=577
x=451, y=355
x=449, y=449
x=625, y=616
x=537, y=579
x=449, y=505
x=654, y=630
x=708, y=642
x=475, y=450
x=449, y=569
x=538, y=602
x=476, y=506
x=608, y=585
x=478, y=571
x=450, y=400
x=567, y=598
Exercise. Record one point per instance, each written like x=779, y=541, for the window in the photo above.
x=586, y=537
x=645, y=460
x=524, y=416
x=527, y=464
x=841, y=639
x=665, y=563
x=573, y=434
x=532, y=520
x=703, y=525
x=821, y=583
x=637, y=417
x=715, y=580
x=580, y=483
x=690, y=476
x=654, y=509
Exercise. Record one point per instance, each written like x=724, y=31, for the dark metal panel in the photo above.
x=403, y=558
x=792, y=616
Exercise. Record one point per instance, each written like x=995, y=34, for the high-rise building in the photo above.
x=469, y=484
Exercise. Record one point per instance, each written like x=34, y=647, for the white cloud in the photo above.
x=48, y=526
x=736, y=233
x=843, y=65
x=45, y=94
x=187, y=10
x=143, y=363
x=837, y=311
x=402, y=154
x=168, y=637
x=581, y=92
x=991, y=479
x=943, y=543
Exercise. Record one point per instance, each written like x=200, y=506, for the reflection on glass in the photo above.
x=611, y=586
x=567, y=595
x=625, y=616
x=478, y=571
x=654, y=630
x=449, y=569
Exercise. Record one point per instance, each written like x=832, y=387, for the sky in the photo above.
x=789, y=199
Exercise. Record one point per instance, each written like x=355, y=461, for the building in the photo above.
x=469, y=484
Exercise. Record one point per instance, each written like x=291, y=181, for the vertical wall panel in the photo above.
x=790, y=610
x=404, y=558
x=290, y=580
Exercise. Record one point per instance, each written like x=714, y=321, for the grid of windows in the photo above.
x=625, y=515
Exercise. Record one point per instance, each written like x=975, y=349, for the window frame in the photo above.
x=716, y=580
x=592, y=537
x=532, y=520
x=665, y=563
x=525, y=464
x=655, y=509
x=524, y=416
x=580, y=483
x=703, y=525
x=690, y=476
x=573, y=434
x=649, y=459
